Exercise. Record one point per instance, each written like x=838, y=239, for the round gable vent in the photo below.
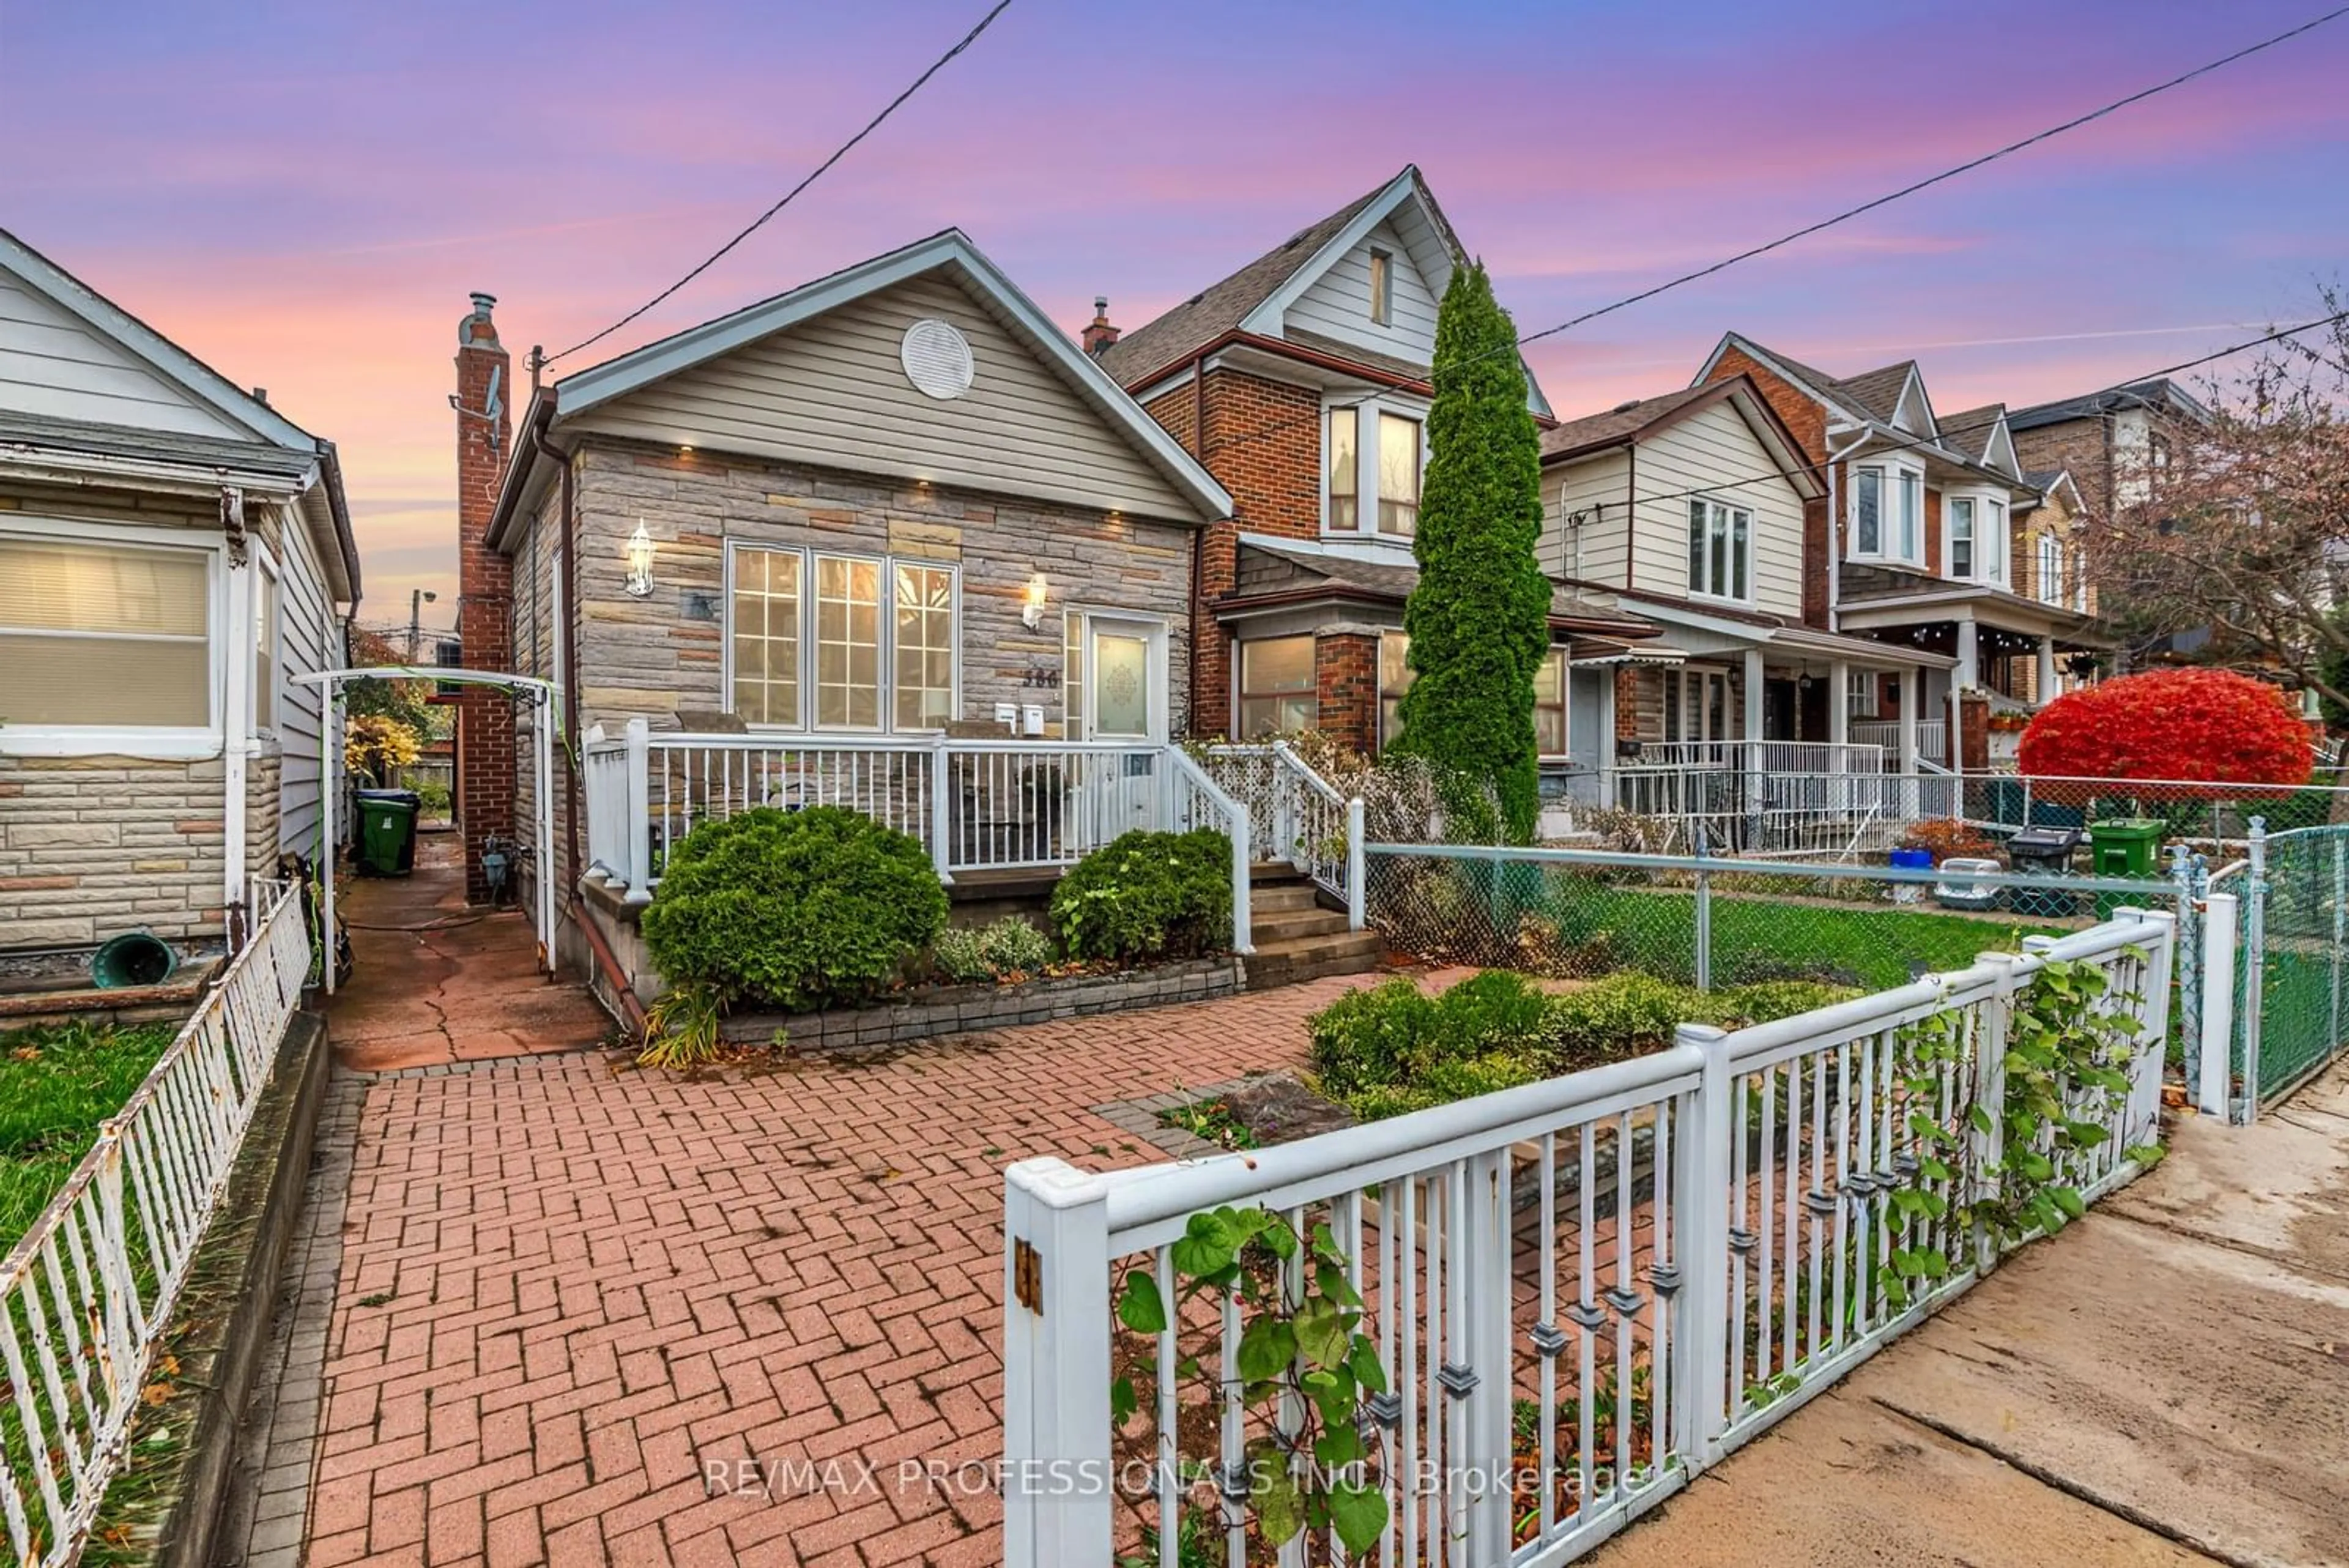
x=936, y=359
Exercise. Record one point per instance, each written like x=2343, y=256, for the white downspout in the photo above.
x=236, y=714
x=1834, y=522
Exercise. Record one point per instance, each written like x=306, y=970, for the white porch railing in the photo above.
x=86, y=1294
x=1698, y=1241
x=1297, y=816
x=975, y=805
x=1772, y=813
x=1932, y=737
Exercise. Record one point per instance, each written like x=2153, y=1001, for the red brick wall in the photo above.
x=1933, y=530
x=1346, y=680
x=1626, y=702
x=1973, y=732
x=485, y=732
x=1808, y=421
x=1263, y=445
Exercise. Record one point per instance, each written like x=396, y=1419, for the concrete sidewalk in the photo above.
x=2168, y=1381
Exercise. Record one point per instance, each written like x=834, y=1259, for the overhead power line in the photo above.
x=965, y=42
x=1849, y=213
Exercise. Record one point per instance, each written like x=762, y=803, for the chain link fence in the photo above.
x=2294, y=911
x=2208, y=815
x=1585, y=914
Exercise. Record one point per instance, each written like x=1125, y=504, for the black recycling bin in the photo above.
x=2043, y=852
x=387, y=834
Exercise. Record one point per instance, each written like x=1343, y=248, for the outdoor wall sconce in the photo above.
x=1031, y=606
x=640, y=563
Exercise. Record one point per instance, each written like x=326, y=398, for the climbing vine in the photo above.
x=1304, y=1374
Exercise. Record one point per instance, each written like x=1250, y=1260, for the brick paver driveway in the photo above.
x=566, y=1288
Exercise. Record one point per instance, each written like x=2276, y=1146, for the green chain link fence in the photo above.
x=2294, y=902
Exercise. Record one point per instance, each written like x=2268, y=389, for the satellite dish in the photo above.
x=936, y=359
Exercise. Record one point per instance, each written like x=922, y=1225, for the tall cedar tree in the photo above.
x=1479, y=619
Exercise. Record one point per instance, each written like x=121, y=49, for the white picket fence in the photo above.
x=1624, y=1272
x=87, y=1292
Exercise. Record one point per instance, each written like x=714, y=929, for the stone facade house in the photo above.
x=897, y=501
x=174, y=554
x=1689, y=510
x=1301, y=382
x=1914, y=541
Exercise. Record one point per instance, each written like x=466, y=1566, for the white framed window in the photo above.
x=1395, y=676
x=1550, y=690
x=266, y=636
x=1888, y=514
x=1399, y=466
x=98, y=638
x=817, y=639
x=1276, y=693
x=1860, y=689
x=1868, y=512
x=1994, y=541
x=1909, y=514
x=1381, y=288
x=1961, y=530
x=1343, y=465
x=1720, y=550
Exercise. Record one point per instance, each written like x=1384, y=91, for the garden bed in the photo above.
x=929, y=1012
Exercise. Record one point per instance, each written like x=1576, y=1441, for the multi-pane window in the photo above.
x=1993, y=540
x=1345, y=468
x=104, y=634
x=1720, y=550
x=264, y=650
x=1887, y=508
x=1398, y=474
x=2050, y=570
x=1549, y=704
x=766, y=606
x=841, y=641
x=924, y=646
x=1382, y=287
x=1912, y=512
x=1861, y=690
x=1961, y=537
x=1395, y=676
x=1868, y=512
x=1277, y=692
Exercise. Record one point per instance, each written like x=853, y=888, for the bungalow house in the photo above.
x=1914, y=542
x=173, y=553
x=800, y=553
x=1687, y=509
x=1301, y=382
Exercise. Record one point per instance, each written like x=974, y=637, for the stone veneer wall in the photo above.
x=93, y=847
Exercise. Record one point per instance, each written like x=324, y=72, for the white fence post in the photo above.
x=1357, y=895
x=2254, y=960
x=2143, y=1122
x=2218, y=1021
x=941, y=810
x=1243, y=938
x=1701, y=1211
x=1985, y=1149
x=637, y=855
x=1483, y=1464
x=1057, y=1476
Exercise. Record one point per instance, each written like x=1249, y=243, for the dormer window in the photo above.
x=1888, y=514
x=1381, y=288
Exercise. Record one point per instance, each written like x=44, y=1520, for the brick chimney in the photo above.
x=1099, y=333
x=485, y=726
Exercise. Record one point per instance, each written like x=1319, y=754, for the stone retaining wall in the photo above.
x=964, y=1009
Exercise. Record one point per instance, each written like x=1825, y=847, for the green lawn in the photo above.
x=57, y=1084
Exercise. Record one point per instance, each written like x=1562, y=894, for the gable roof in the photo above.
x=1877, y=392
x=1969, y=431
x=1630, y=422
x=949, y=251
x=247, y=419
x=2160, y=392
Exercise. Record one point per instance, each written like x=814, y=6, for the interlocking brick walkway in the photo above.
x=566, y=1288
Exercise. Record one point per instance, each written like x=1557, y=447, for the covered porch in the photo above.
x=2020, y=649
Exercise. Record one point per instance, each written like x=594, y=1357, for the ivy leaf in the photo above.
x=2146, y=1154
x=1139, y=1306
x=1206, y=1247
x=1267, y=1347
x=1329, y=1277
x=1359, y=1514
x=2069, y=1200
x=1341, y=1445
x=1980, y=1118
x=1280, y=1510
x=1933, y=1169
x=1321, y=1330
x=1364, y=1364
x=2033, y=1166
x=1121, y=1402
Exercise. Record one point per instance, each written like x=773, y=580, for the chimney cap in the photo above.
x=1101, y=305
x=482, y=302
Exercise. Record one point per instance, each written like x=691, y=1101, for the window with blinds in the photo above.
x=104, y=635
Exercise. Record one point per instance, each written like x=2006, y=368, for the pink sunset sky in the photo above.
x=305, y=194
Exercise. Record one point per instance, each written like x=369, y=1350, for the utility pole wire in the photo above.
x=759, y=221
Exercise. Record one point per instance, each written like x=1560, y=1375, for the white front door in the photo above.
x=1125, y=700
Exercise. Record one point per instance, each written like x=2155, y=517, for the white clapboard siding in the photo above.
x=1337, y=304
x=831, y=391
x=54, y=364
x=1595, y=486
x=1715, y=451
x=308, y=643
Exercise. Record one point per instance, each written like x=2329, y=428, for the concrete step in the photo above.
x=1291, y=961
x=1287, y=925
x=1272, y=873
x=1266, y=897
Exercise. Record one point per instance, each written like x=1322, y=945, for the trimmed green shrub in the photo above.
x=1393, y=1048
x=1006, y=947
x=1624, y=1015
x=1767, y=1001
x=799, y=910
x=1146, y=896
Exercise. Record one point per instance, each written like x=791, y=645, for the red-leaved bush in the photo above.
x=2194, y=724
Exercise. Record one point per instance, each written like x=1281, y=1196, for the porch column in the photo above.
x=2046, y=686
x=1839, y=705
x=1912, y=697
x=1753, y=679
x=1754, y=754
x=1969, y=659
x=1963, y=678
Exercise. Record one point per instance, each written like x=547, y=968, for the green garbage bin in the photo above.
x=2126, y=846
x=386, y=835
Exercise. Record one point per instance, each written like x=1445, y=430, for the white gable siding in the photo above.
x=307, y=636
x=54, y=364
x=1337, y=304
x=831, y=392
x=1595, y=486
x=1717, y=453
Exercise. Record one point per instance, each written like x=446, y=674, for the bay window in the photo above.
x=1277, y=694
x=1994, y=541
x=1549, y=704
x=1911, y=519
x=2051, y=570
x=819, y=641
x=1720, y=550
x=1888, y=513
x=1868, y=512
x=105, y=635
x=1371, y=455
x=1398, y=474
x=1962, y=536
x=1345, y=466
